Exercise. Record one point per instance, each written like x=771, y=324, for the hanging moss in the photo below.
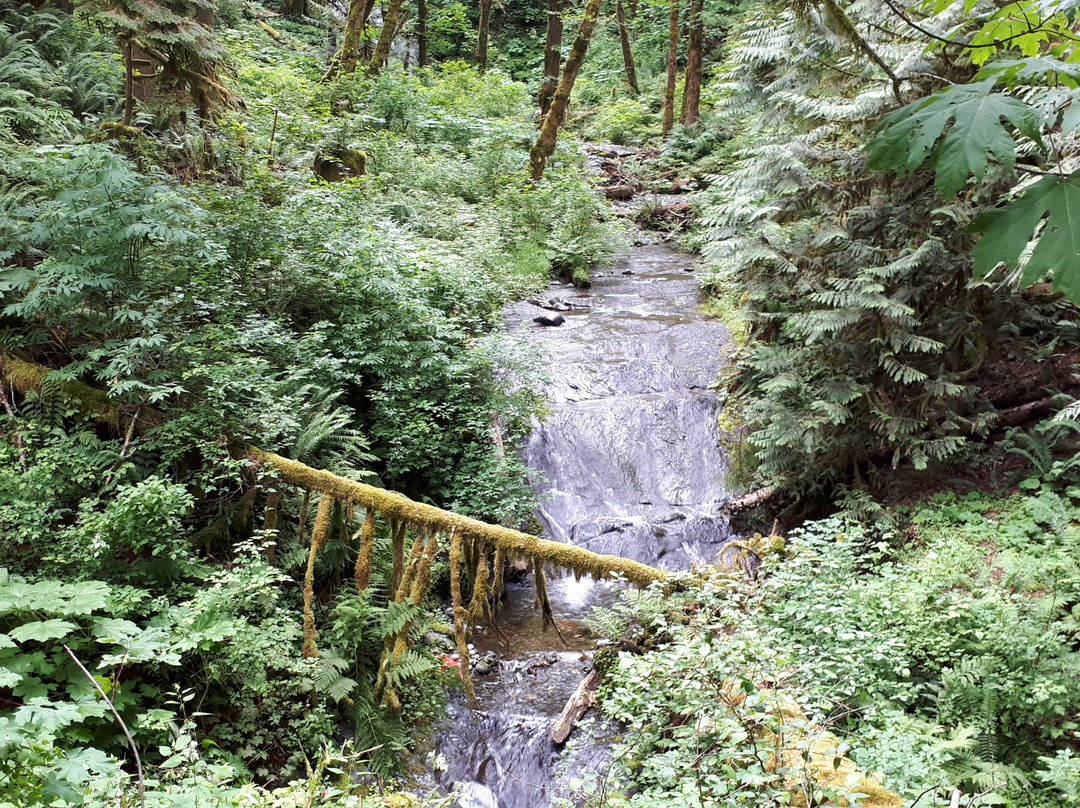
x=422, y=579
x=499, y=584
x=543, y=601
x=397, y=538
x=397, y=506
x=461, y=615
x=410, y=569
x=362, y=573
x=318, y=539
x=479, y=607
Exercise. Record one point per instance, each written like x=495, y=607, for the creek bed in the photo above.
x=630, y=464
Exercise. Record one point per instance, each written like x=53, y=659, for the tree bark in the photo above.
x=576, y=706
x=482, y=38
x=552, y=56
x=294, y=8
x=672, y=70
x=692, y=89
x=386, y=38
x=421, y=33
x=129, y=82
x=627, y=52
x=549, y=130
x=354, y=35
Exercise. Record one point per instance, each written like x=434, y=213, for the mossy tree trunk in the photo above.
x=694, y=44
x=549, y=130
x=627, y=51
x=294, y=8
x=354, y=34
x=482, y=35
x=668, y=118
x=552, y=55
x=386, y=38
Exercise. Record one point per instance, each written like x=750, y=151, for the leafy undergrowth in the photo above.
x=942, y=654
x=235, y=278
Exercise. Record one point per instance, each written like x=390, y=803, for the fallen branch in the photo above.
x=120, y=721
x=576, y=706
x=28, y=376
x=620, y=192
x=751, y=500
x=277, y=36
x=1014, y=416
x=397, y=506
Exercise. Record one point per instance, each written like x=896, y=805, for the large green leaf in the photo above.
x=956, y=131
x=42, y=630
x=1008, y=230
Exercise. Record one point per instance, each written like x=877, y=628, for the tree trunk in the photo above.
x=627, y=52
x=386, y=38
x=672, y=69
x=354, y=35
x=692, y=89
x=549, y=130
x=552, y=56
x=206, y=17
x=294, y=8
x=421, y=33
x=129, y=82
x=482, y=39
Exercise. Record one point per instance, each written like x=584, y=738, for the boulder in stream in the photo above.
x=549, y=320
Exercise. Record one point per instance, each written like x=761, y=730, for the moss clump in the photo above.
x=318, y=539
x=362, y=573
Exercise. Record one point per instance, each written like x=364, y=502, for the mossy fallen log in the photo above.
x=397, y=506
x=28, y=376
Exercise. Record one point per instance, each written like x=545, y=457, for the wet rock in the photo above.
x=486, y=664
x=434, y=639
x=551, y=303
x=553, y=320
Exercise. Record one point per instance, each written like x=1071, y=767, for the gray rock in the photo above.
x=555, y=319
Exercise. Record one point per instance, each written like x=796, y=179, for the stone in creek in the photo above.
x=486, y=664
x=556, y=319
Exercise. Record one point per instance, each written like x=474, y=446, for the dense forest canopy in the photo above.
x=228, y=224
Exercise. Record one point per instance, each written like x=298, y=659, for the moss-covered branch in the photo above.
x=27, y=376
x=397, y=506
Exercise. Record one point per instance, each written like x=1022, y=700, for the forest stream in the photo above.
x=630, y=464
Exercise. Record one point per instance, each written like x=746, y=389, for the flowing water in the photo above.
x=630, y=464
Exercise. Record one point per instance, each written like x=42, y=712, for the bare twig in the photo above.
x=125, y=450
x=971, y=800
x=123, y=726
x=924, y=793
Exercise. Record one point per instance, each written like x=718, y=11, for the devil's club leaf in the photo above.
x=956, y=131
x=1007, y=231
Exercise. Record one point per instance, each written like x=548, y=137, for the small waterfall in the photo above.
x=630, y=464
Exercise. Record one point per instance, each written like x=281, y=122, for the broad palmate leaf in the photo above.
x=1008, y=230
x=956, y=131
